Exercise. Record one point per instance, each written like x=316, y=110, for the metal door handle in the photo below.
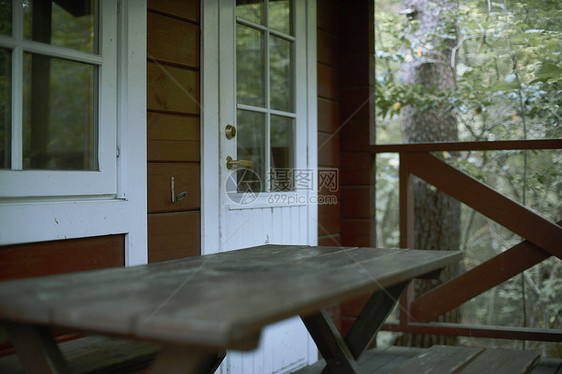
x=230, y=163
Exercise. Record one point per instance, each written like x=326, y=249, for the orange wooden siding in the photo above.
x=328, y=115
x=344, y=109
x=173, y=129
x=173, y=138
x=357, y=179
x=61, y=256
x=356, y=101
x=168, y=234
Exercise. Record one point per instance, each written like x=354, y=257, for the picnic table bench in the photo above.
x=199, y=307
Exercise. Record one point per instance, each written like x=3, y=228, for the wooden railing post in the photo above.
x=544, y=237
x=406, y=229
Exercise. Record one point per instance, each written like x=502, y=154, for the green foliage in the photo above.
x=508, y=67
x=508, y=70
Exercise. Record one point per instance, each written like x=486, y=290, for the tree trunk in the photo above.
x=436, y=215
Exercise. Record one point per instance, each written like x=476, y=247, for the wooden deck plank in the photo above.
x=503, y=361
x=439, y=359
x=184, y=300
x=383, y=360
x=373, y=361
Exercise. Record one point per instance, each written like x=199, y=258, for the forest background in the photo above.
x=507, y=65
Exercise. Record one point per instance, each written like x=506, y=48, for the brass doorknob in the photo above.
x=231, y=164
x=230, y=131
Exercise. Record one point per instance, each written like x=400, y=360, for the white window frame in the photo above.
x=17, y=183
x=68, y=214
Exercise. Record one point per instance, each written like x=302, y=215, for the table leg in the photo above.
x=37, y=350
x=178, y=359
x=339, y=359
x=341, y=355
x=371, y=318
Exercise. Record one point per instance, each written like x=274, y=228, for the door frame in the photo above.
x=212, y=127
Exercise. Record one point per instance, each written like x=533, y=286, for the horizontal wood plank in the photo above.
x=327, y=45
x=173, y=138
x=172, y=89
x=503, y=361
x=357, y=240
x=439, y=359
x=328, y=115
x=61, y=256
x=355, y=38
x=355, y=202
x=328, y=150
x=187, y=9
x=186, y=179
x=328, y=16
x=172, y=40
x=355, y=168
x=328, y=219
x=355, y=68
x=329, y=240
x=174, y=235
x=355, y=136
x=355, y=226
x=354, y=103
x=215, y=300
x=475, y=331
x=498, y=145
x=328, y=83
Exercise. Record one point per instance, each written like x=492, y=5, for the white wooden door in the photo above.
x=266, y=126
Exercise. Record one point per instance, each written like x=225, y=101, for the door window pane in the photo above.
x=250, y=137
x=280, y=75
x=59, y=121
x=70, y=24
x=6, y=17
x=280, y=16
x=5, y=108
x=282, y=145
x=251, y=10
x=250, y=66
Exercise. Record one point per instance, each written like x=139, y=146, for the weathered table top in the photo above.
x=214, y=301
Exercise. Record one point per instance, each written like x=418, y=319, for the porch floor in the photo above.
x=382, y=360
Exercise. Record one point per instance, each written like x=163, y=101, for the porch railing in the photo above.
x=542, y=238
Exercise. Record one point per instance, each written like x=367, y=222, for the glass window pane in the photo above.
x=6, y=17
x=280, y=75
x=70, y=24
x=250, y=66
x=280, y=16
x=5, y=108
x=282, y=153
x=251, y=10
x=250, y=135
x=59, y=114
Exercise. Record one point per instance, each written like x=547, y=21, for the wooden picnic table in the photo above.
x=200, y=306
